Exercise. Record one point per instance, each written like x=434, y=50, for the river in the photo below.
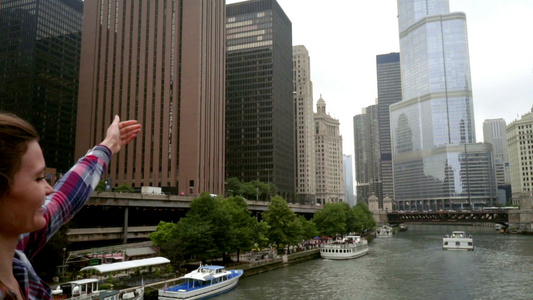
x=410, y=265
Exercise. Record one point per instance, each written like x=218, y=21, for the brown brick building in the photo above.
x=163, y=63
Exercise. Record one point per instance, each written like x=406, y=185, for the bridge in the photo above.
x=111, y=216
x=172, y=201
x=449, y=217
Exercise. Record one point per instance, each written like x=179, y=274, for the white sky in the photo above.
x=343, y=38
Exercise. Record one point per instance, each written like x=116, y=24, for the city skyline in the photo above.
x=501, y=72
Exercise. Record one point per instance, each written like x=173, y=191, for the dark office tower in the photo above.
x=389, y=92
x=40, y=43
x=259, y=95
x=436, y=160
x=160, y=62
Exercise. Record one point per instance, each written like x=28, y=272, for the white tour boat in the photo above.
x=384, y=231
x=458, y=240
x=88, y=288
x=204, y=282
x=351, y=246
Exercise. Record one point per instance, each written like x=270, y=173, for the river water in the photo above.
x=410, y=265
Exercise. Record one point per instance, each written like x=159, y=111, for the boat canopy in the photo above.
x=130, y=264
x=212, y=267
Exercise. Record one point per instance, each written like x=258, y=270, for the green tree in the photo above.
x=364, y=218
x=308, y=228
x=284, y=225
x=210, y=215
x=351, y=220
x=165, y=232
x=124, y=188
x=233, y=185
x=248, y=190
x=260, y=235
x=167, y=239
x=331, y=220
x=195, y=235
x=242, y=224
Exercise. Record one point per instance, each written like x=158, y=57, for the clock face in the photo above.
x=108, y=186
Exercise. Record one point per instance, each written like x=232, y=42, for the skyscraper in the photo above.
x=40, y=44
x=162, y=63
x=435, y=160
x=348, y=180
x=494, y=132
x=305, y=138
x=259, y=96
x=372, y=139
x=389, y=92
x=367, y=155
x=520, y=139
x=329, y=164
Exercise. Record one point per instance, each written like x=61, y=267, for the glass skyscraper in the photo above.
x=260, y=143
x=40, y=44
x=436, y=162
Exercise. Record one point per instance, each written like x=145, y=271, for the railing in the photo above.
x=448, y=217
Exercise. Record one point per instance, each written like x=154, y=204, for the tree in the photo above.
x=308, y=228
x=260, y=235
x=284, y=225
x=331, y=220
x=364, y=219
x=248, y=190
x=351, y=220
x=124, y=188
x=196, y=238
x=242, y=224
x=233, y=185
x=167, y=239
x=209, y=214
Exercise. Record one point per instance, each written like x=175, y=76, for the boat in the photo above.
x=458, y=240
x=88, y=289
x=204, y=282
x=351, y=246
x=384, y=231
x=402, y=227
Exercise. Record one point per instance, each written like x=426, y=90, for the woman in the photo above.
x=31, y=211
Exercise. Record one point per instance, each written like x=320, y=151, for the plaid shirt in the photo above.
x=70, y=194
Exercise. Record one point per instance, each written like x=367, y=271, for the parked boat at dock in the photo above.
x=204, y=282
x=458, y=240
x=384, y=231
x=351, y=246
x=88, y=289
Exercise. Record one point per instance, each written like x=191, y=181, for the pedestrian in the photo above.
x=31, y=211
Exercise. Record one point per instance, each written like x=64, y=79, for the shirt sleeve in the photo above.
x=70, y=194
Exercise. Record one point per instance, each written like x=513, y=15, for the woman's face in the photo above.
x=20, y=210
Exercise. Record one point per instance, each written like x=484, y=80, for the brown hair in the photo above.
x=15, y=134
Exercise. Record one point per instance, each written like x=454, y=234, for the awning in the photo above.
x=126, y=265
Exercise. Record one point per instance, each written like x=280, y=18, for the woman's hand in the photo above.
x=120, y=134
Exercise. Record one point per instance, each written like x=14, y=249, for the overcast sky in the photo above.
x=343, y=38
